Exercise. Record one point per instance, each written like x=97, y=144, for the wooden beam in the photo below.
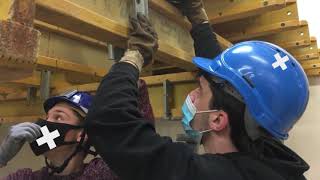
x=183, y=83
x=313, y=72
x=175, y=45
x=78, y=19
x=311, y=64
x=19, y=119
x=52, y=28
x=55, y=64
x=265, y=24
x=172, y=13
x=4, y=9
x=305, y=53
x=150, y=81
x=223, y=11
x=298, y=37
x=57, y=80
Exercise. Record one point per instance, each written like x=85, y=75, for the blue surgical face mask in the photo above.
x=189, y=111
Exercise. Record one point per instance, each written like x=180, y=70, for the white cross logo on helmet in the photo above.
x=280, y=61
x=76, y=98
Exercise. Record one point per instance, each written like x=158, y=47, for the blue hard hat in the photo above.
x=77, y=99
x=272, y=83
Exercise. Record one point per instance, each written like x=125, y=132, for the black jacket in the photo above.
x=131, y=147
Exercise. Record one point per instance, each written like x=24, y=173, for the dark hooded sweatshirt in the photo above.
x=133, y=149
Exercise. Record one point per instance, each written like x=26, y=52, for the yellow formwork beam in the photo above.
x=4, y=9
x=183, y=83
x=13, y=107
x=223, y=11
x=308, y=52
x=265, y=24
x=311, y=64
x=57, y=80
x=313, y=72
x=298, y=37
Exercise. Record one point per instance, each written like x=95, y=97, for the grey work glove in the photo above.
x=193, y=9
x=18, y=135
x=143, y=37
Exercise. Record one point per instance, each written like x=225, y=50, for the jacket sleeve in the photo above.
x=205, y=41
x=127, y=142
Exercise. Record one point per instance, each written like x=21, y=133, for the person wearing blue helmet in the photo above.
x=248, y=99
x=60, y=139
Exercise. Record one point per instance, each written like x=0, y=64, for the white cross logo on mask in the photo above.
x=48, y=137
x=280, y=61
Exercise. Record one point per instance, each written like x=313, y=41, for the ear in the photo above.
x=79, y=136
x=218, y=121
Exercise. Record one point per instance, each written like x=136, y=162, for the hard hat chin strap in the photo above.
x=252, y=128
x=80, y=147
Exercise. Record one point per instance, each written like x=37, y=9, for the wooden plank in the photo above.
x=223, y=11
x=311, y=64
x=298, y=37
x=306, y=57
x=55, y=64
x=150, y=80
x=305, y=53
x=4, y=9
x=70, y=34
x=18, y=119
x=262, y=25
x=71, y=16
x=313, y=72
x=57, y=80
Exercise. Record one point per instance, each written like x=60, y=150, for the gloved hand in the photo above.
x=142, y=38
x=193, y=9
x=18, y=135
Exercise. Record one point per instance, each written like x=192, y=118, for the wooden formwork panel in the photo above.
x=296, y=38
x=264, y=24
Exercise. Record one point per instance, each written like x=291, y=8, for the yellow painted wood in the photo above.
x=222, y=11
x=305, y=53
x=298, y=37
x=112, y=26
x=262, y=25
x=311, y=64
x=313, y=72
x=4, y=9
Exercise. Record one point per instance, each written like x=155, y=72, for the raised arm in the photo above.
x=205, y=41
x=127, y=142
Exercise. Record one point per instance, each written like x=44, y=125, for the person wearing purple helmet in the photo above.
x=60, y=139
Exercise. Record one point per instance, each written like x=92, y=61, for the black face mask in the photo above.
x=57, y=132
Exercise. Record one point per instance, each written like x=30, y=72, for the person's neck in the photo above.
x=219, y=145
x=75, y=164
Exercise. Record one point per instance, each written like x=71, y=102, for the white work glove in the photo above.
x=18, y=135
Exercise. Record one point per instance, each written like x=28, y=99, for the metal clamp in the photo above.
x=141, y=6
x=31, y=95
x=167, y=99
x=45, y=84
x=115, y=53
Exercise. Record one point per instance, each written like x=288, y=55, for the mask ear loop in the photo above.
x=66, y=162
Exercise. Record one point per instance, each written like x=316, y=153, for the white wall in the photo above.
x=309, y=10
x=304, y=138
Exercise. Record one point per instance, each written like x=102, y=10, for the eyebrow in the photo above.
x=59, y=111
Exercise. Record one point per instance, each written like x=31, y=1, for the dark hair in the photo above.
x=235, y=110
